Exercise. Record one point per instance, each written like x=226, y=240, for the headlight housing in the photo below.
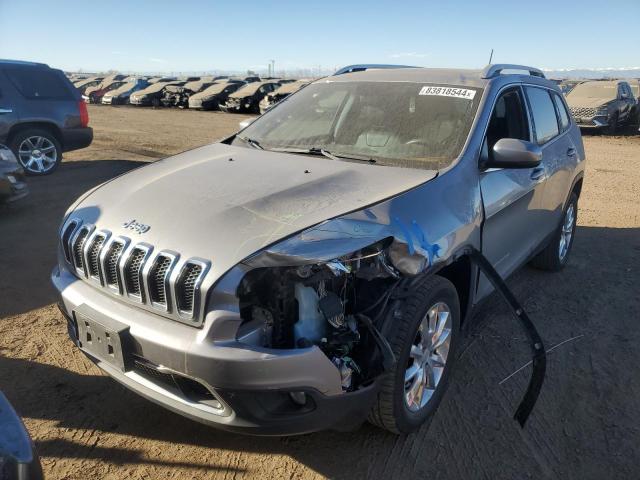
x=325, y=304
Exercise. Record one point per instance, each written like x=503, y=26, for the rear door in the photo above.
x=8, y=107
x=512, y=197
x=559, y=154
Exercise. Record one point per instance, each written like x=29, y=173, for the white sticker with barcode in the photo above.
x=448, y=92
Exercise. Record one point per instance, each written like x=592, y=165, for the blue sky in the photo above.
x=195, y=35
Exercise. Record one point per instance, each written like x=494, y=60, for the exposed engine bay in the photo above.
x=338, y=306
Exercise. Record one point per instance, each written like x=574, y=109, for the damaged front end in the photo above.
x=270, y=100
x=300, y=294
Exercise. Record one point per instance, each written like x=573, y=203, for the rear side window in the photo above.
x=39, y=83
x=562, y=111
x=544, y=114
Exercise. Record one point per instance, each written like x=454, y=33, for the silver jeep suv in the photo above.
x=314, y=269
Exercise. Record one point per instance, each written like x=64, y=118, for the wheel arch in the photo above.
x=48, y=126
x=577, y=185
x=460, y=273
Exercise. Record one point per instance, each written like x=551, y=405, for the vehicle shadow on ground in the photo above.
x=28, y=243
x=566, y=436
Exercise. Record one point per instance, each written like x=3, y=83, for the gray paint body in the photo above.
x=261, y=208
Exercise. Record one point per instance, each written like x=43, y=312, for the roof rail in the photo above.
x=366, y=66
x=491, y=71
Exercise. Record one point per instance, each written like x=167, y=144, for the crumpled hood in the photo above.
x=203, y=204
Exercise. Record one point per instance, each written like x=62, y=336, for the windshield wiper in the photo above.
x=326, y=153
x=307, y=151
x=250, y=141
x=322, y=151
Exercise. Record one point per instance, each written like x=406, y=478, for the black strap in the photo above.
x=537, y=347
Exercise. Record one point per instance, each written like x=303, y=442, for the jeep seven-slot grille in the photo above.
x=66, y=238
x=132, y=271
x=94, y=255
x=111, y=264
x=77, y=248
x=121, y=269
x=157, y=279
x=186, y=287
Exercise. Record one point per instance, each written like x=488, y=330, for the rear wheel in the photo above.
x=38, y=151
x=555, y=256
x=424, y=338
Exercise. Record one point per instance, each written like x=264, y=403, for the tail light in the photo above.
x=84, y=113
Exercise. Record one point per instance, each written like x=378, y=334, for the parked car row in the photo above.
x=205, y=93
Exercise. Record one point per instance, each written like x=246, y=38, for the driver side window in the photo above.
x=508, y=120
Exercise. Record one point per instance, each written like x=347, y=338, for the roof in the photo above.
x=250, y=88
x=445, y=76
x=292, y=86
x=22, y=62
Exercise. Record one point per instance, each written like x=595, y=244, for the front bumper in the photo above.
x=249, y=387
x=141, y=101
x=13, y=186
x=599, y=121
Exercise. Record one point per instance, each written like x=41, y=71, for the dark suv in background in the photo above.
x=604, y=105
x=42, y=115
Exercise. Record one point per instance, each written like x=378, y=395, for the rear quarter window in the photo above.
x=39, y=83
x=562, y=111
x=543, y=113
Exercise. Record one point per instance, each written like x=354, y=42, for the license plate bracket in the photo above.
x=102, y=342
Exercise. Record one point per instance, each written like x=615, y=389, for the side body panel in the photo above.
x=9, y=106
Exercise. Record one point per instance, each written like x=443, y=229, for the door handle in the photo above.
x=571, y=152
x=5, y=110
x=538, y=174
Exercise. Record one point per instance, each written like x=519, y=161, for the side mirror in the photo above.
x=514, y=153
x=245, y=123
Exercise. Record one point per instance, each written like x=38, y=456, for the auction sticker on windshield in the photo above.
x=448, y=92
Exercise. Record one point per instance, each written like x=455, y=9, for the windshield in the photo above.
x=394, y=123
x=599, y=90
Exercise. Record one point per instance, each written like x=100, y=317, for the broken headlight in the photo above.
x=334, y=305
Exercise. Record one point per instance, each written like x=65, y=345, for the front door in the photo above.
x=512, y=198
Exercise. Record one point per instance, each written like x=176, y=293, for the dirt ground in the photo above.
x=585, y=425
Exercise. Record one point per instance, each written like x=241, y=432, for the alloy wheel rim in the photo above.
x=567, y=232
x=428, y=356
x=37, y=154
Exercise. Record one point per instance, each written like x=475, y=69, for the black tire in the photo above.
x=613, y=124
x=155, y=103
x=549, y=259
x=22, y=135
x=390, y=411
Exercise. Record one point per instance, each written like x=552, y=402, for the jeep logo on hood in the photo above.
x=136, y=226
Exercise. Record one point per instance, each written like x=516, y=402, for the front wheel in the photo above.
x=555, y=255
x=424, y=337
